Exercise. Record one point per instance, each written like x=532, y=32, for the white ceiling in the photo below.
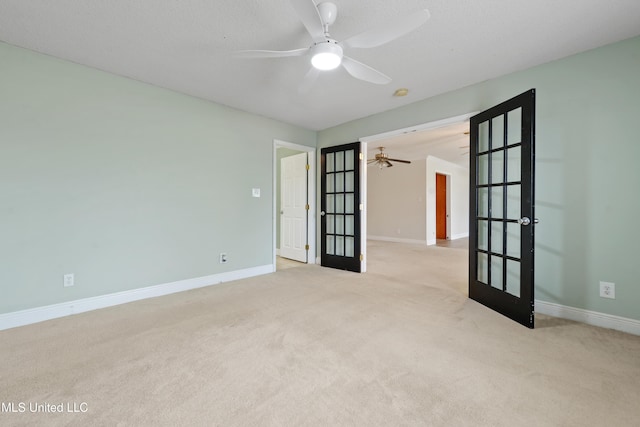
x=186, y=46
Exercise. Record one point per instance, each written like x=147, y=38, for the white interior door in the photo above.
x=293, y=211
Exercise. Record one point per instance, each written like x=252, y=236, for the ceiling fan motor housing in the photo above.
x=328, y=12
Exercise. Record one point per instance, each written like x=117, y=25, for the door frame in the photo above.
x=376, y=138
x=293, y=235
x=311, y=196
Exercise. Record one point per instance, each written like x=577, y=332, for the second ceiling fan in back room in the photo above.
x=328, y=54
x=382, y=159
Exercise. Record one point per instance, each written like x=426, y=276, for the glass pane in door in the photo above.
x=497, y=132
x=514, y=126
x=496, y=272
x=483, y=268
x=514, y=160
x=483, y=169
x=483, y=235
x=483, y=137
x=497, y=170
x=513, y=278
x=513, y=239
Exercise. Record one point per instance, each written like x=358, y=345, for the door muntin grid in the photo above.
x=498, y=201
x=340, y=203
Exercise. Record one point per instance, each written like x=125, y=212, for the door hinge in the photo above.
x=361, y=206
x=361, y=257
x=307, y=166
x=361, y=156
x=306, y=247
x=306, y=207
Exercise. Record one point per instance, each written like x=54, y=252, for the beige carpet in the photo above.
x=308, y=346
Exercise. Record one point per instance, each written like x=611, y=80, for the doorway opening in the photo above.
x=294, y=219
x=439, y=147
x=443, y=207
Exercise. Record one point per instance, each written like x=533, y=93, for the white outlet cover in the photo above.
x=255, y=192
x=608, y=290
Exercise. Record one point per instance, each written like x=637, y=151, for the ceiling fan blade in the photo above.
x=310, y=17
x=364, y=72
x=400, y=161
x=388, y=163
x=371, y=161
x=391, y=30
x=308, y=80
x=270, y=53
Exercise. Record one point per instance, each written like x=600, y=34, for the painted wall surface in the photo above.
x=124, y=184
x=396, y=201
x=586, y=168
x=458, y=196
x=281, y=153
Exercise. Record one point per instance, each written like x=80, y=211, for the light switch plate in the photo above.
x=68, y=280
x=255, y=192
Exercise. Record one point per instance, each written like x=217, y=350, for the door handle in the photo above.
x=321, y=213
x=526, y=221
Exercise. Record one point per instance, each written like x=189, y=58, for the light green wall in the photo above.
x=586, y=168
x=281, y=153
x=124, y=184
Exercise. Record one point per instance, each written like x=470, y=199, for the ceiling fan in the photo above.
x=328, y=54
x=382, y=159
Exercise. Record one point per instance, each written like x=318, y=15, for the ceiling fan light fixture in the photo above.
x=326, y=56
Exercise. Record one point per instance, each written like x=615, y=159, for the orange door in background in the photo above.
x=441, y=206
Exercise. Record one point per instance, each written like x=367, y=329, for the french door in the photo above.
x=340, y=207
x=501, y=208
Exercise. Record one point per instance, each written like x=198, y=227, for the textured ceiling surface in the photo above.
x=187, y=46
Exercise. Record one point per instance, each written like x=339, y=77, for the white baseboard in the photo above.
x=603, y=320
x=396, y=240
x=431, y=242
x=40, y=314
x=459, y=236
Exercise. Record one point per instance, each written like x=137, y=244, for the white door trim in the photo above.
x=418, y=128
x=311, y=196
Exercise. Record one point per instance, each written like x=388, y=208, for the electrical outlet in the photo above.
x=223, y=258
x=68, y=280
x=608, y=290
